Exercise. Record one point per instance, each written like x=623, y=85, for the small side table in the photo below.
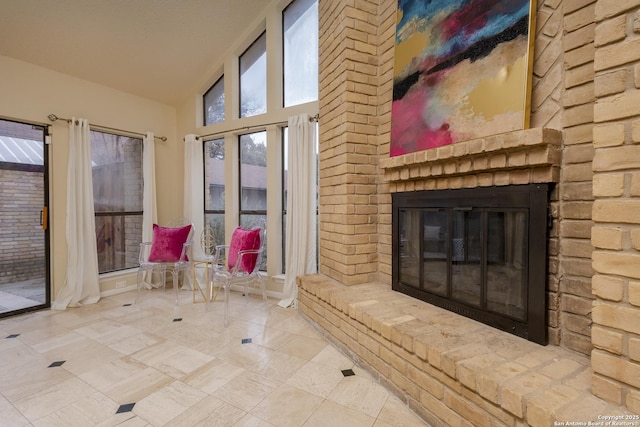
x=207, y=263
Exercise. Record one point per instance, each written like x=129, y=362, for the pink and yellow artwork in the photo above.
x=462, y=71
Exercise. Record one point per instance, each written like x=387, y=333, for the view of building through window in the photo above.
x=214, y=188
x=117, y=195
x=253, y=181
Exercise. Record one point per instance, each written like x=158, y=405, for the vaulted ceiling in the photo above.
x=157, y=49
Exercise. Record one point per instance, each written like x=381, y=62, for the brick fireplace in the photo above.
x=478, y=171
x=584, y=138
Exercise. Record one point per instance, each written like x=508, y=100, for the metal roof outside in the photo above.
x=18, y=150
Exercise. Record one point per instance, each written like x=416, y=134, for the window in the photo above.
x=300, y=39
x=262, y=99
x=214, y=189
x=117, y=196
x=213, y=101
x=253, y=78
x=253, y=181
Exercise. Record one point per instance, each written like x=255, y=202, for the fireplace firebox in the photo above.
x=481, y=253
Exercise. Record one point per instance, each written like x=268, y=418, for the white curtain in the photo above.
x=194, y=188
x=149, y=207
x=300, y=256
x=81, y=285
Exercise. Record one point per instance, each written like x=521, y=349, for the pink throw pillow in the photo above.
x=168, y=242
x=242, y=240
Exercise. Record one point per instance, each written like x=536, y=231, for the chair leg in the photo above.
x=163, y=275
x=226, y=286
x=263, y=287
x=175, y=284
x=211, y=284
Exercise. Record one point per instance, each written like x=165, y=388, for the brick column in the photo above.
x=348, y=139
x=575, y=195
x=547, y=112
x=616, y=209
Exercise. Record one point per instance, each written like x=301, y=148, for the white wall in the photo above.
x=31, y=93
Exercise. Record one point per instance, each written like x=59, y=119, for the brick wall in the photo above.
x=574, y=246
x=616, y=210
x=21, y=236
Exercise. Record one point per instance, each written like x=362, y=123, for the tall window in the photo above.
x=300, y=39
x=117, y=196
x=253, y=78
x=213, y=101
x=214, y=188
x=251, y=84
x=253, y=181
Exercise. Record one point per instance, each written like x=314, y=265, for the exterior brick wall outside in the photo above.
x=21, y=236
x=118, y=185
x=133, y=201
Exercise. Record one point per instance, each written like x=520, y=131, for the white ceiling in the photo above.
x=157, y=49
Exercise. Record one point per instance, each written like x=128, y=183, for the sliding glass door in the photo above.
x=24, y=238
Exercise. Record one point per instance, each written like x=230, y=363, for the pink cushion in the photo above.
x=242, y=240
x=167, y=243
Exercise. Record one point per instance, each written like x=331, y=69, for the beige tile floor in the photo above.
x=191, y=372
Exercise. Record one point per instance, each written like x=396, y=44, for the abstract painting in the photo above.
x=461, y=71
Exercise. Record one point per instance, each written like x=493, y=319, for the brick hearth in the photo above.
x=452, y=370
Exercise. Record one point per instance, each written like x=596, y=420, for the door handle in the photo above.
x=43, y=218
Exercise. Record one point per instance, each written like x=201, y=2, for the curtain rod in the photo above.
x=209, y=135
x=53, y=118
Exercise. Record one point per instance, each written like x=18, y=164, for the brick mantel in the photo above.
x=521, y=157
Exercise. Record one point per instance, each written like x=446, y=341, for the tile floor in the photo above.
x=155, y=364
x=19, y=295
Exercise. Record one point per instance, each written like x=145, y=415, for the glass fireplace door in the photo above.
x=479, y=252
x=507, y=242
x=466, y=260
x=435, y=254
